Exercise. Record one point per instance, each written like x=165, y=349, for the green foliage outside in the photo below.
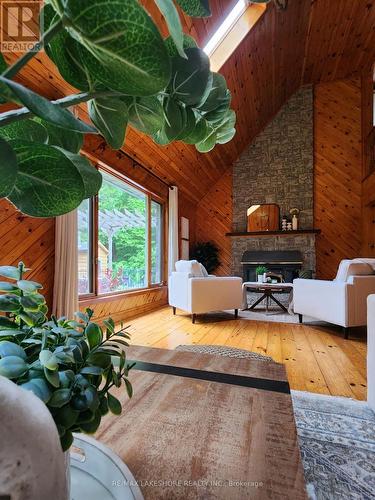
x=129, y=244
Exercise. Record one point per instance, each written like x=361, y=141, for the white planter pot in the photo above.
x=260, y=278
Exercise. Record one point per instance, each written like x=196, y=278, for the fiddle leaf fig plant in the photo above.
x=71, y=365
x=115, y=56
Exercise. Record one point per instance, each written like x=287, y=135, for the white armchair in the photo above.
x=193, y=291
x=371, y=351
x=341, y=301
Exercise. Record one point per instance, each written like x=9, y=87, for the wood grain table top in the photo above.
x=186, y=437
x=257, y=284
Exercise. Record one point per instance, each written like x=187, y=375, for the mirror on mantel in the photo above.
x=265, y=217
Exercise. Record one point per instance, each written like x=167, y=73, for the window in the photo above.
x=85, y=247
x=156, y=241
x=128, y=242
x=232, y=31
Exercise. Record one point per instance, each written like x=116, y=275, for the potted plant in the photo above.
x=71, y=365
x=207, y=254
x=260, y=272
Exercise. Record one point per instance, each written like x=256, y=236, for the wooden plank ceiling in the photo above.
x=311, y=41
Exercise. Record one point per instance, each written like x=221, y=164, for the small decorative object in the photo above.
x=294, y=212
x=261, y=271
x=284, y=223
x=207, y=254
x=289, y=226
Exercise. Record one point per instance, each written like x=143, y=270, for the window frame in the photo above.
x=94, y=240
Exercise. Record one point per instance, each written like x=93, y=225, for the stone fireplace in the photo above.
x=278, y=168
x=286, y=263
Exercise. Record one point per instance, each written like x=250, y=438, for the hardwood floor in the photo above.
x=317, y=358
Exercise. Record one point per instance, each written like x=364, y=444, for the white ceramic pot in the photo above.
x=32, y=464
x=260, y=278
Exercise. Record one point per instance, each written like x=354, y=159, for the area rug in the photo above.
x=337, y=442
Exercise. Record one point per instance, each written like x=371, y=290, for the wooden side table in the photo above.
x=268, y=291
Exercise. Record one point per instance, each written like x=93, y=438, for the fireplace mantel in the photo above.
x=257, y=234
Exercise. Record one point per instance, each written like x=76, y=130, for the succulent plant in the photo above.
x=71, y=365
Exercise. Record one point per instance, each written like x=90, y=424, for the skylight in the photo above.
x=226, y=26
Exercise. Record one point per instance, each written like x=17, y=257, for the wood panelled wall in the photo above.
x=338, y=159
x=30, y=240
x=122, y=307
x=214, y=219
x=337, y=173
x=368, y=186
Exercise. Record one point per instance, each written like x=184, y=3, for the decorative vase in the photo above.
x=294, y=223
x=31, y=459
x=260, y=278
x=264, y=277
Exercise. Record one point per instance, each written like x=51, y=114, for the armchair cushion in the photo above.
x=371, y=351
x=356, y=267
x=189, y=266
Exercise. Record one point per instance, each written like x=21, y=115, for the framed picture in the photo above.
x=184, y=238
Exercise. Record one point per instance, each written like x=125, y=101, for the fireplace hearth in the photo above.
x=288, y=263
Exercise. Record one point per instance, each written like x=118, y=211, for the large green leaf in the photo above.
x=160, y=137
x=11, y=349
x=10, y=272
x=114, y=404
x=5, y=93
x=169, y=11
x=190, y=124
x=7, y=323
x=9, y=303
x=64, y=52
x=110, y=116
x=65, y=139
x=122, y=37
x=45, y=109
x=48, y=183
x=29, y=286
x=27, y=130
x=226, y=131
x=39, y=387
x=217, y=95
x=191, y=79
x=7, y=287
x=195, y=8
x=12, y=367
x=199, y=132
x=175, y=118
x=146, y=114
x=91, y=177
x=209, y=141
x=94, y=334
x=217, y=115
x=48, y=359
x=188, y=43
x=8, y=168
x=60, y=398
x=226, y=136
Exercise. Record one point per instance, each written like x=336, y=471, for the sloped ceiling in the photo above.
x=312, y=41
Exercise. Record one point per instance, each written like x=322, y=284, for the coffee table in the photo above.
x=268, y=290
x=201, y=426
